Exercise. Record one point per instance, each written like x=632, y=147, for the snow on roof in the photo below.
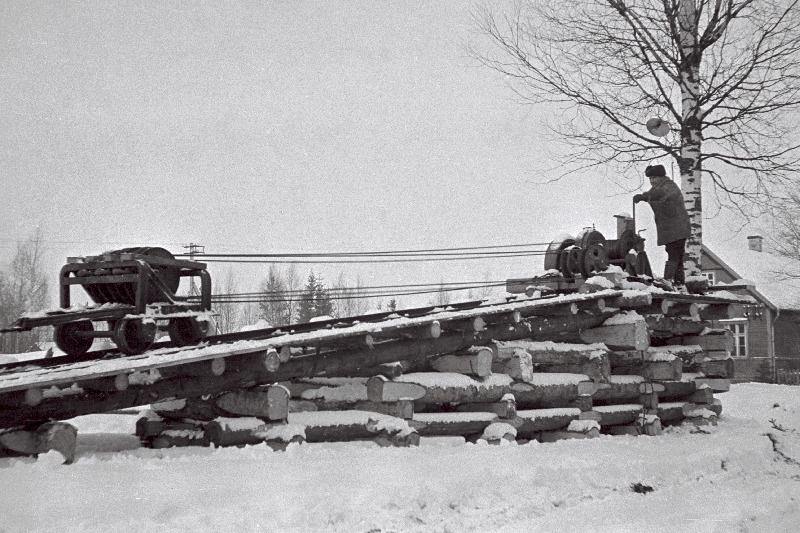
x=775, y=277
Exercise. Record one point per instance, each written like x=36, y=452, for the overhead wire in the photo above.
x=409, y=259
x=369, y=288
x=464, y=250
x=342, y=297
x=355, y=294
x=371, y=257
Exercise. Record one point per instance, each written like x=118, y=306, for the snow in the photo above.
x=600, y=281
x=625, y=317
x=260, y=324
x=499, y=430
x=349, y=392
x=453, y=417
x=729, y=477
x=583, y=426
x=443, y=380
x=546, y=379
x=597, y=349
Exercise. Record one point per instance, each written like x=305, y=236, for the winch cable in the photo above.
x=370, y=288
x=256, y=298
x=467, y=250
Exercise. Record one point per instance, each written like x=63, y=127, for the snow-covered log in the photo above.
x=151, y=426
x=330, y=389
x=710, y=340
x=546, y=390
x=444, y=388
x=668, y=327
x=672, y=412
x=380, y=389
x=499, y=432
x=388, y=370
x=577, y=429
x=432, y=330
x=339, y=426
x=119, y=382
x=58, y=436
x=191, y=409
x=473, y=364
x=631, y=300
x=242, y=431
x=652, y=364
x=347, y=394
x=178, y=438
x=625, y=331
x=619, y=389
x=715, y=384
x=647, y=424
x=452, y=424
x=531, y=422
x=679, y=389
x=269, y=402
x=719, y=311
x=400, y=408
x=211, y=367
x=618, y=415
x=722, y=368
x=546, y=356
x=519, y=366
x=506, y=408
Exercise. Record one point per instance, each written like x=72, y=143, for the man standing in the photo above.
x=672, y=220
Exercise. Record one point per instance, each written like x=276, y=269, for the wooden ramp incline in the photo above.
x=31, y=395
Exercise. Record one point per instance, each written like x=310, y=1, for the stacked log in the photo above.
x=629, y=374
x=236, y=418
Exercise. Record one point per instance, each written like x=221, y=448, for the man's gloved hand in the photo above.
x=638, y=198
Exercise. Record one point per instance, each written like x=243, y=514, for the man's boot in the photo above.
x=670, y=267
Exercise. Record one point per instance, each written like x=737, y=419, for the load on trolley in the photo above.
x=135, y=294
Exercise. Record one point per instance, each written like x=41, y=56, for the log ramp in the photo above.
x=626, y=360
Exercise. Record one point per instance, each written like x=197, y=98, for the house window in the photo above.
x=739, y=330
x=712, y=276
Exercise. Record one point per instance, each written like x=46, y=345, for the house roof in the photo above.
x=776, y=278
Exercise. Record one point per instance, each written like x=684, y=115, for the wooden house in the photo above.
x=767, y=334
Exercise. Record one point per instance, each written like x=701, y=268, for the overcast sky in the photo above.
x=278, y=126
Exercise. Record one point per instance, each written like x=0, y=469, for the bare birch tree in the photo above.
x=350, y=300
x=24, y=288
x=280, y=290
x=723, y=73
x=227, y=319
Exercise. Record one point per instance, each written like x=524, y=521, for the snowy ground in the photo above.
x=725, y=478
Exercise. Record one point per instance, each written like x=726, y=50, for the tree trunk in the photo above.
x=691, y=135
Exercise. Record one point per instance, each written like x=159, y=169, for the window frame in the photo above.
x=732, y=325
x=710, y=275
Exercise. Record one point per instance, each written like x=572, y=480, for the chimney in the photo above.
x=754, y=242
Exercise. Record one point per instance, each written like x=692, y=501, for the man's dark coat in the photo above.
x=672, y=220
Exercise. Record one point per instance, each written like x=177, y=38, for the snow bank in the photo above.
x=737, y=476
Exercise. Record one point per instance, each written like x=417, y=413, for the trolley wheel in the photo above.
x=187, y=330
x=594, y=258
x=68, y=339
x=570, y=261
x=133, y=336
